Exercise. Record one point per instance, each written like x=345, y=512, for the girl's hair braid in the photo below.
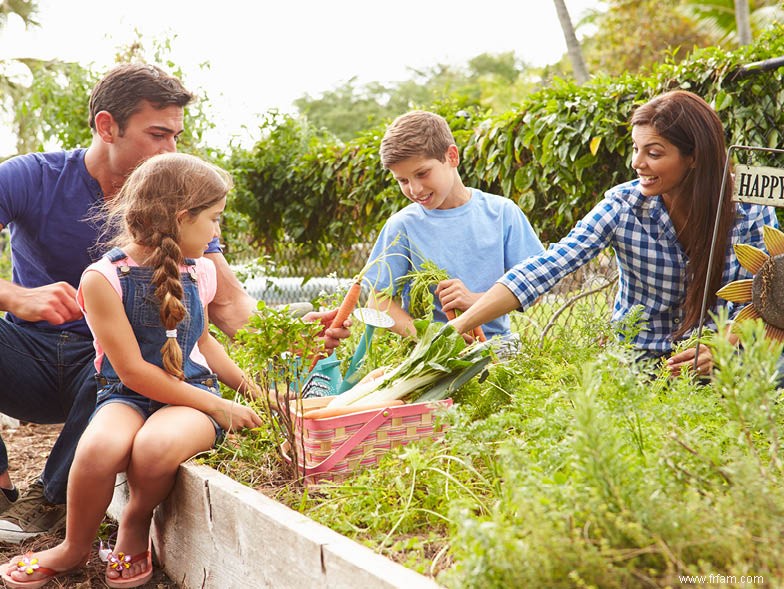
x=145, y=212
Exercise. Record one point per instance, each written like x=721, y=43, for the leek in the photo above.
x=439, y=364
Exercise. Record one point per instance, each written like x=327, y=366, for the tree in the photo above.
x=24, y=9
x=572, y=44
x=733, y=22
x=489, y=81
x=743, y=21
x=633, y=35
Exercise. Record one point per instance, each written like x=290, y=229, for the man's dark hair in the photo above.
x=121, y=92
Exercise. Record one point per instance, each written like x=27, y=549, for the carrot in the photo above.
x=479, y=333
x=337, y=411
x=344, y=311
x=348, y=305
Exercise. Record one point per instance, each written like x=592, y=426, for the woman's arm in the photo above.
x=497, y=301
x=112, y=329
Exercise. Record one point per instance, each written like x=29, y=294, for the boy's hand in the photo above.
x=454, y=295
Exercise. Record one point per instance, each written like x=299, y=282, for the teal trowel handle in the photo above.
x=350, y=378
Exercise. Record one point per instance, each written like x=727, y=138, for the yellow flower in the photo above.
x=764, y=292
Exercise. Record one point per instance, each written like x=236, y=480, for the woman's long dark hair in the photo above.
x=690, y=124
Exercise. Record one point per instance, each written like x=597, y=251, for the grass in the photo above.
x=571, y=466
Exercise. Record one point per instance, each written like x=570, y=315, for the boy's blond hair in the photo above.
x=417, y=133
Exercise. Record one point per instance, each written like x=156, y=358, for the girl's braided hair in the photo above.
x=145, y=212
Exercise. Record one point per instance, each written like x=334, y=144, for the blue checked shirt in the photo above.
x=651, y=261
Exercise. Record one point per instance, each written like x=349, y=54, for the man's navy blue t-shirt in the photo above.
x=47, y=201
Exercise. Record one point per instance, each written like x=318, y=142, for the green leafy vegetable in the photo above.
x=439, y=363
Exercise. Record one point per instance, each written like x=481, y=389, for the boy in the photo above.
x=474, y=236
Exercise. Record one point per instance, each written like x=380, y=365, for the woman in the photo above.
x=660, y=226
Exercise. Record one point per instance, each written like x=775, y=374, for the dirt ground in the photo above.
x=28, y=446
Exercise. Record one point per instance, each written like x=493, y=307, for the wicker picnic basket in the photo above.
x=334, y=447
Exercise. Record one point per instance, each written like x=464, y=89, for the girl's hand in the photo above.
x=685, y=361
x=454, y=295
x=234, y=417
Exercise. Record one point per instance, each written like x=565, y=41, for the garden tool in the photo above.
x=325, y=378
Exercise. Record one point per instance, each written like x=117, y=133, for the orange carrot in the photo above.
x=344, y=311
x=479, y=333
x=348, y=305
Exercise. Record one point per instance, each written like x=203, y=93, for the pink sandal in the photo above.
x=122, y=561
x=28, y=564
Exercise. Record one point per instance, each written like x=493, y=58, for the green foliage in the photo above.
x=52, y=110
x=571, y=465
x=555, y=154
x=348, y=110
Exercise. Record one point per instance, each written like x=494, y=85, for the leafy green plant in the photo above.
x=555, y=154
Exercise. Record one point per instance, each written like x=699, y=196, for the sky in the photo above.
x=263, y=55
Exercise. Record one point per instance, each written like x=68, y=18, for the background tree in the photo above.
x=723, y=20
x=24, y=9
x=572, y=44
x=489, y=81
x=743, y=21
x=633, y=35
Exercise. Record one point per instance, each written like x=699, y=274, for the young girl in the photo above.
x=660, y=226
x=158, y=366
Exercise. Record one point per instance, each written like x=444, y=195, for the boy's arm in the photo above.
x=404, y=324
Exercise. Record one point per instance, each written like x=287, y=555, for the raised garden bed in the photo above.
x=213, y=532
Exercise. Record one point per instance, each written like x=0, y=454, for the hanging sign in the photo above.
x=759, y=185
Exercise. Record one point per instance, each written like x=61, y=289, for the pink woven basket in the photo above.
x=334, y=447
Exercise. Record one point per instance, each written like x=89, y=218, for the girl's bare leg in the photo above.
x=168, y=438
x=104, y=450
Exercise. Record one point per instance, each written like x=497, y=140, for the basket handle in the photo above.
x=359, y=436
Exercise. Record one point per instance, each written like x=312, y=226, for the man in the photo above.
x=51, y=203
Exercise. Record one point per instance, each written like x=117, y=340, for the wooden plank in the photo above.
x=213, y=532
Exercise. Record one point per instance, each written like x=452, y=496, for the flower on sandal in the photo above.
x=120, y=561
x=763, y=292
x=27, y=565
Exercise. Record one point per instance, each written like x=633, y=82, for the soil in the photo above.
x=28, y=447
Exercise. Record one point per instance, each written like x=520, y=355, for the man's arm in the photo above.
x=232, y=306
x=55, y=303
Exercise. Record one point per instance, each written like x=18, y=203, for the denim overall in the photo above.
x=143, y=311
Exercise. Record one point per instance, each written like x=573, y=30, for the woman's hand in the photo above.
x=234, y=417
x=685, y=360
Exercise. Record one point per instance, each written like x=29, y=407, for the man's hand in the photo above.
x=54, y=303
x=331, y=336
x=454, y=295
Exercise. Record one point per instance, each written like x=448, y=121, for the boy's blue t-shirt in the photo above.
x=476, y=242
x=46, y=201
